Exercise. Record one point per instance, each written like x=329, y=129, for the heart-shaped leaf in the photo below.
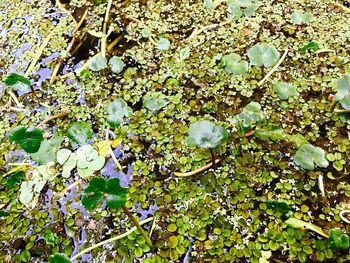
x=18, y=82
x=80, y=132
x=163, y=43
x=48, y=149
x=117, y=64
x=309, y=156
x=101, y=190
x=263, y=55
x=29, y=139
x=299, y=17
x=338, y=239
x=206, y=134
x=117, y=110
x=343, y=91
x=250, y=115
x=98, y=63
x=154, y=101
x=59, y=258
x=233, y=63
x=285, y=90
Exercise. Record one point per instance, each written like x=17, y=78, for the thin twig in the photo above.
x=104, y=29
x=197, y=31
x=56, y=116
x=14, y=98
x=274, y=68
x=87, y=250
x=199, y=170
x=114, y=42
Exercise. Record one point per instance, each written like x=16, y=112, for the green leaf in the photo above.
x=50, y=237
x=263, y=55
x=297, y=223
x=310, y=46
x=207, y=135
x=299, y=17
x=279, y=206
x=117, y=64
x=285, y=90
x=101, y=190
x=15, y=179
x=18, y=82
x=234, y=9
x=69, y=161
x=298, y=139
x=250, y=115
x=29, y=139
x=117, y=110
x=273, y=134
x=4, y=213
x=88, y=161
x=163, y=43
x=146, y=33
x=80, y=132
x=48, y=149
x=98, y=63
x=233, y=63
x=154, y=101
x=338, y=240
x=343, y=91
x=184, y=53
x=59, y=258
x=309, y=156
x=85, y=74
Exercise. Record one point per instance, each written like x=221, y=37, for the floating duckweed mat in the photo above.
x=174, y=131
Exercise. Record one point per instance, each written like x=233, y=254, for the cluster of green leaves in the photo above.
x=338, y=240
x=206, y=134
x=285, y=90
x=233, y=63
x=309, y=46
x=235, y=8
x=59, y=258
x=86, y=159
x=99, y=62
x=101, y=190
x=250, y=115
x=117, y=110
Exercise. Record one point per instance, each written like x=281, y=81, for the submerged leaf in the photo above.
x=309, y=156
x=80, y=132
x=312, y=45
x=154, y=101
x=29, y=139
x=15, y=179
x=279, y=206
x=263, y=55
x=101, y=190
x=206, y=134
x=18, y=82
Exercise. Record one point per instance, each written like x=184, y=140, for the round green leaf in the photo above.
x=309, y=156
x=343, y=91
x=117, y=110
x=98, y=63
x=117, y=64
x=80, y=132
x=163, y=43
x=338, y=240
x=233, y=63
x=263, y=55
x=285, y=90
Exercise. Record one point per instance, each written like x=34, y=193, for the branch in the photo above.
x=199, y=170
x=104, y=29
x=56, y=116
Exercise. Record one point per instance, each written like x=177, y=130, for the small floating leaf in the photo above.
x=250, y=115
x=80, y=132
x=117, y=64
x=4, y=213
x=98, y=63
x=146, y=33
x=285, y=90
x=279, y=206
x=338, y=239
x=343, y=91
x=206, y=134
x=29, y=139
x=309, y=156
x=233, y=63
x=117, y=110
x=154, y=101
x=88, y=161
x=263, y=55
x=59, y=258
x=163, y=43
x=101, y=190
x=184, y=53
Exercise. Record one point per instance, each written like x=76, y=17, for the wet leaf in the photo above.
x=29, y=139
x=117, y=64
x=80, y=132
x=285, y=90
x=18, y=82
x=309, y=156
x=101, y=190
x=343, y=91
x=263, y=55
x=15, y=179
x=338, y=239
x=206, y=134
x=233, y=63
x=299, y=17
x=59, y=258
x=297, y=223
x=4, y=213
x=117, y=110
x=163, y=43
x=48, y=149
x=98, y=63
x=154, y=101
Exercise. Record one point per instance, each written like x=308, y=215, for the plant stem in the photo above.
x=14, y=98
x=199, y=170
x=138, y=226
x=56, y=116
x=109, y=240
x=212, y=157
x=104, y=29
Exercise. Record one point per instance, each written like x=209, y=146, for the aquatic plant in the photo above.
x=28, y=138
x=117, y=110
